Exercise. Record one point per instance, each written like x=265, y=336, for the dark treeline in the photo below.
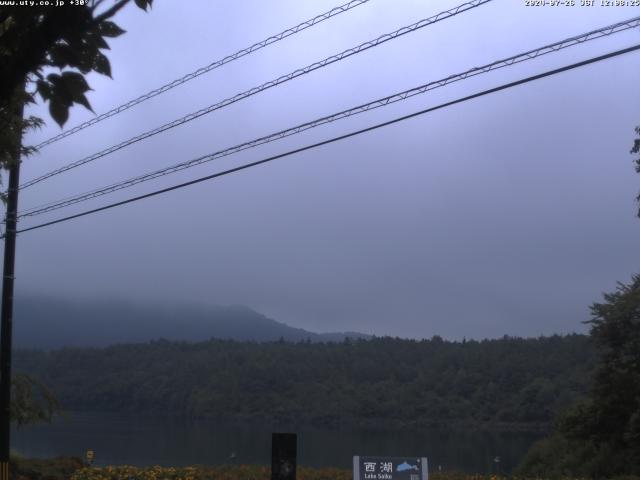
x=510, y=382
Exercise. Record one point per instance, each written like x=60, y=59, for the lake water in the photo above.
x=141, y=441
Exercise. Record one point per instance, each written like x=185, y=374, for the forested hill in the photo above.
x=508, y=382
x=48, y=323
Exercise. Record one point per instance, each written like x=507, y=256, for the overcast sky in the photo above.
x=508, y=214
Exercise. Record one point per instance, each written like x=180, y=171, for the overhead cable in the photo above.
x=338, y=138
x=521, y=57
x=212, y=66
x=278, y=81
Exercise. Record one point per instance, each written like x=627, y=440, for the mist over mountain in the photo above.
x=45, y=323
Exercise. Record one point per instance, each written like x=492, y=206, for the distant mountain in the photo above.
x=46, y=323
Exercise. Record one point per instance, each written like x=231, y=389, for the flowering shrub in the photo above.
x=244, y=472
x=241, y=472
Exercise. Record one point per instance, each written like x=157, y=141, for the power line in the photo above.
x=521, y=57
x=280, y=80
x=212, y=66
x=341, y=137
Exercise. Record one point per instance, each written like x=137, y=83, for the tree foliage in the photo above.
x=636, y=150
x=615, y=399
x=600, y=437
x=12, y=128
x=31, y=401
x=48, y=50
x=511, y=382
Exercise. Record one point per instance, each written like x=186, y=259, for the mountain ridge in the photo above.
x=42, y=322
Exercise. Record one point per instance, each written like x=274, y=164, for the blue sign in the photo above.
x=390, y=468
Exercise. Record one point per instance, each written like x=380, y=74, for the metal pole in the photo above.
x=6, y=320
x=284, y=453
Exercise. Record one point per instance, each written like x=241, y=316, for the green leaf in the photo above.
x=86, y=59
x=101, y=64
x=100, y=42
x=32, y=122
x=59, y=111
x=53, y=78
x=76, y=85
x=75, y=82
x=110, y=29
x=59, y=91
x=143, y=4
x=82, y=100
x=29, y=97
x=44, y=89
x=62, y=55
x=78, y=97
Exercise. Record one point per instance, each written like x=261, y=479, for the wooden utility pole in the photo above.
x=6, y=320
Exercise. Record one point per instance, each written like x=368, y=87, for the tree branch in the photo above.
x=110, y=12
x=96, y=4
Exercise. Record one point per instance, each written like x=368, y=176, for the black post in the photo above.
x=6, y=321
x=283, y=456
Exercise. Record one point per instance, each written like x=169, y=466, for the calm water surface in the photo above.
x=149, y=440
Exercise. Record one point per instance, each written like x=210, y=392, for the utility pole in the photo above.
x=6, y=320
